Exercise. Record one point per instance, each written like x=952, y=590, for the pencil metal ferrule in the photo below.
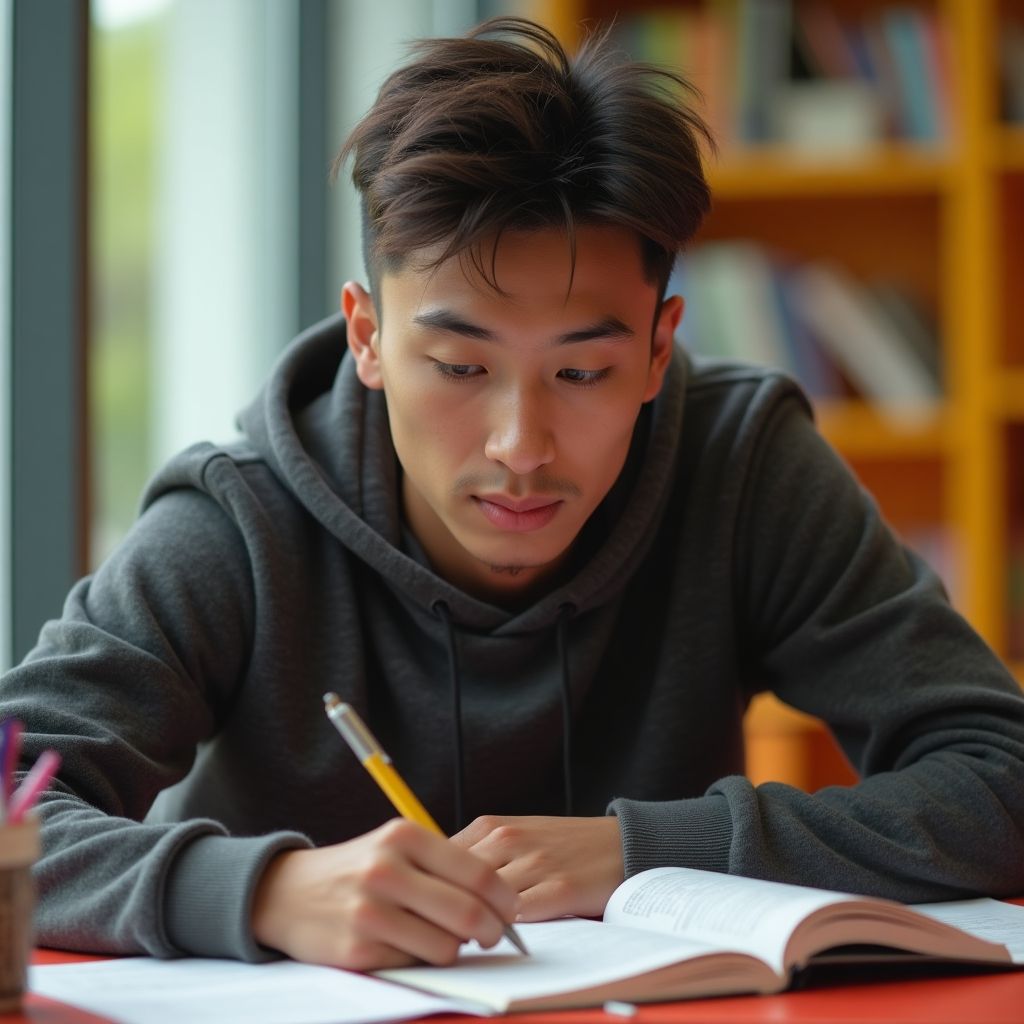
x=363, y=743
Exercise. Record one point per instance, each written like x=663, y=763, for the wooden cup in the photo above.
x=19, y=849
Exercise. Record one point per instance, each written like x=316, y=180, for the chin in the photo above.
x=517, y=561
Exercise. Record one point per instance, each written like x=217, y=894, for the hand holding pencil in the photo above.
x=400, y=894
x=378, y=764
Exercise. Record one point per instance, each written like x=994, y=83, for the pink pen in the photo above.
x=32, y=785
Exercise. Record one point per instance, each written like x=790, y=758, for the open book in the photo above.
x=673, y=933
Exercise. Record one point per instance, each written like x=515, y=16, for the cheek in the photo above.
x=597, y=446
x=427, y=431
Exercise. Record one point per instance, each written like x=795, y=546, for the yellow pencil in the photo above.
x=378, y=764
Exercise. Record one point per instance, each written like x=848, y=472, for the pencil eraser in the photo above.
x=618, y=1009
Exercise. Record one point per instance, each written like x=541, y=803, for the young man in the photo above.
x=547, y=558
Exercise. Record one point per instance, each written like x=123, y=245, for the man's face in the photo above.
x=512, y=413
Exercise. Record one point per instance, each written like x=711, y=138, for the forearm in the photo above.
x=112, y=885
x=944, y=827
x=940, y=829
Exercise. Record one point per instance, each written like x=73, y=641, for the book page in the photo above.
x=141, y=990
x=573, y=955
x=988, y=919
x=725, y=911
x=788, y=924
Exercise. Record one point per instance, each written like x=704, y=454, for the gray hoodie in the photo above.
x=736, y=553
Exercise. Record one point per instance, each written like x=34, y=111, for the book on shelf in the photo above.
x=822, y=42
x=763, y=65
x=916, y=329
x=1011, y=60
x=731, y=294
x=906, y=34
x=827, y=119
x=675, y=933
x=939, y=50
x=879, y=69
x=712, y=70
x=813, y=321
x=1015, y=594
x=665, y=37
x=757, y=63
x=871, y=351
x=808, y=362
x=936, y=544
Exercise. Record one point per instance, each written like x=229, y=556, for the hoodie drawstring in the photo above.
x=443, y=612
x=565, y=613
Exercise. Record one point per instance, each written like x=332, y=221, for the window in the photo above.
x=5, y=338
x=195, y=239
x=212, y=124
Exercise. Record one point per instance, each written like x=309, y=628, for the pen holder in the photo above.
x=19, y=849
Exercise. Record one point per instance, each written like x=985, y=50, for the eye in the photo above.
x=458, y=371
x=583, y=378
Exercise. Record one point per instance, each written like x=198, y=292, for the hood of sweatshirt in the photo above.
x=327, y=438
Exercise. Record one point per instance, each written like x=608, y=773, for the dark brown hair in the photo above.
x=503, y=130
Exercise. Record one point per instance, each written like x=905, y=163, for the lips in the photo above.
x=518, y=504
x=518, y=515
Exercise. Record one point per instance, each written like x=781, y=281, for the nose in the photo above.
x=520, y=437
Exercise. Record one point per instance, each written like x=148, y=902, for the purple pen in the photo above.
x=10, y=750
x=4, y=729
x=32, y=785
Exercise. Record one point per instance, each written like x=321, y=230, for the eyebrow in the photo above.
x=609, y=328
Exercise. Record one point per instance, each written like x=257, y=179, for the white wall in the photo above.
x=226, y=213
x=228, y=225
x=368, y=39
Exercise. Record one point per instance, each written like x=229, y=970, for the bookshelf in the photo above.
x=896, y=170
x=861, y=433
x=944, y=219
x=1009, y=149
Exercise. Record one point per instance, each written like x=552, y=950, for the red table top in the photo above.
x=920, y=995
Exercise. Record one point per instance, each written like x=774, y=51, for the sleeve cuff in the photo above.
x=674, y=833
x=209, y=892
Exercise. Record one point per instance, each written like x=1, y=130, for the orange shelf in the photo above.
x=1010, y=147
x=782, y=172
x=785, y=745
x=859, y=430
x=1010, y=394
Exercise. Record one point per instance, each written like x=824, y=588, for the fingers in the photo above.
x=558, y=865
x=393, y=896
x=457, y=903
x=478, y=829
x=512, y=846
x=547, y=900
x=385, y=935
x=452, y=876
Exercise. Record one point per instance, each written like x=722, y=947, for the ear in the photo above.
x=662, y=343
x=363, y=335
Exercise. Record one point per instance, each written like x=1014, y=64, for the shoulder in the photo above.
x=733, y=389
x=222, y=497
x=233, y=475
x=733, y=409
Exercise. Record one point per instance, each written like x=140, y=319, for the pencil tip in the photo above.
x=513, y=936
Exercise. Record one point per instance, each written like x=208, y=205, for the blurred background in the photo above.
x=168, y=226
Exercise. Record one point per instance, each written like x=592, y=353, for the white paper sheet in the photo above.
x=141, y=990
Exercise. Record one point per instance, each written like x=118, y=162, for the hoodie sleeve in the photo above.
x=842, y=622
x=138, y=671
